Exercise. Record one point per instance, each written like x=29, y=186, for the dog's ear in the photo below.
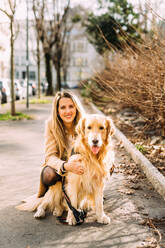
x=80, y=128
x=110, y=127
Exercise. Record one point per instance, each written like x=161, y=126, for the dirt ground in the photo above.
x=145, y=136
x=136, y=210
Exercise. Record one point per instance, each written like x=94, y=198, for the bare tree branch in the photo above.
x=5, y=12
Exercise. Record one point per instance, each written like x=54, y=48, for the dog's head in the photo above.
x=95, y=131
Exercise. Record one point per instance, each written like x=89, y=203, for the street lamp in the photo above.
x=27, y=55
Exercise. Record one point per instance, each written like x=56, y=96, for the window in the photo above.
x=23, y=60
x=17, y=74
x=23, y=74
x=73, y=62
x=17, y=60
x=32, y=75
x=73, y=47
x=85, y=62
x=80, y=47
x=68, y=75
x=79, y=61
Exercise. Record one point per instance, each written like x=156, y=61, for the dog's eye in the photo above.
x=89, y=127
x=101, y=128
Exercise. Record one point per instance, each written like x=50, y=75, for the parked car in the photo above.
x=70, y=84
x=34, y=87
x=23, y=83
x=18, y=90
x=44, y=86
x=64, y=85
x=4, y=90
x=3, y=96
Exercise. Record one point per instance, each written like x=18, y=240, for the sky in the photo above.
x=90, y=4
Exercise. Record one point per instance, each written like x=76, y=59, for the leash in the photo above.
x=79, y=215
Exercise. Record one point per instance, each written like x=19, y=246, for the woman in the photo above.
x=59, y=136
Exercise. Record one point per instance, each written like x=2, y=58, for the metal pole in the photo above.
x=27, y=56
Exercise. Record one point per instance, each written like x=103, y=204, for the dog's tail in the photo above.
x=30, y=204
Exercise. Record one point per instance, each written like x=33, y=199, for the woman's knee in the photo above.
x=49, y=176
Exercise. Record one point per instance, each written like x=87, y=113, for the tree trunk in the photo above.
x=65, y=72
x=58, y=76
x=38, y=67
x=57, y=64
x=12, y=67
x=49, y=91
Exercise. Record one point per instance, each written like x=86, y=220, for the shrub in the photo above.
x=136, y=79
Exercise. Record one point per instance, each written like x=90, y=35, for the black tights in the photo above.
x=49, y=176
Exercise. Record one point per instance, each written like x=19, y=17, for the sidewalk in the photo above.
x=21, y=152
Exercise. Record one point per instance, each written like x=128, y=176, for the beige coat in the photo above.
x=51, y=153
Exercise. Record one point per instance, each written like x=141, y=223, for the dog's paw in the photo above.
x=40, y=213
x=71, y=219
x=57, y=212
x=104, y=219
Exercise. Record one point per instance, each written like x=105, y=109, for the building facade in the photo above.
x=82, y=56
x=4, y=50
x=21, y=50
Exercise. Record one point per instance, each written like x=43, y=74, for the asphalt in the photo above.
x=21, y=153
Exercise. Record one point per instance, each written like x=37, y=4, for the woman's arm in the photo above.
x=73, y=165
x=51, y=152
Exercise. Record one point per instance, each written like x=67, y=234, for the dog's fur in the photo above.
x=93, y=145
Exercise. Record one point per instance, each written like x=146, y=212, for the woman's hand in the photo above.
x=74, y=165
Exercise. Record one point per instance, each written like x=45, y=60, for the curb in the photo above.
x=153, y=175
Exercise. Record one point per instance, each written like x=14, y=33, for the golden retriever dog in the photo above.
x=93, y=145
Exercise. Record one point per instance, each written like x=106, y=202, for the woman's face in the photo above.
x=67, y=110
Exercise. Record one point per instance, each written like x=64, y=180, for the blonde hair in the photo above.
x=58, y=127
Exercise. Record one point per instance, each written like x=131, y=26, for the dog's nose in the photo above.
x=95, y=141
